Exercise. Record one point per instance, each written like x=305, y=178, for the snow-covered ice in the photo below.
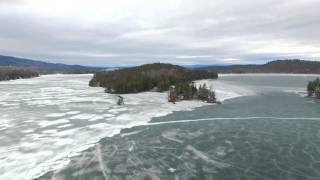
x=47, y=119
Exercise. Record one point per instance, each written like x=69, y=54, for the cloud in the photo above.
x=141, y=31
x=11, y=1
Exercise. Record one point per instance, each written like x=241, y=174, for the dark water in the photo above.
x=274, y=134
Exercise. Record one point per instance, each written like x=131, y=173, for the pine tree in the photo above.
x=172, y=96
x=211, y=96
x=313, y=88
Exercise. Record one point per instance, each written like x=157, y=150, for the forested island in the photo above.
x=12, y=73
x=156, y=77
x=313, y=88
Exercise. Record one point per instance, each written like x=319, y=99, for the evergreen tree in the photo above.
x=211, y=96
x=172, y=97
x=203, y=93
x=313, y=88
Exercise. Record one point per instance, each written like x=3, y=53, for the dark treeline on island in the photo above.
x=313, y=88
x=12, y=73
x=280, y=66
x=150, y=77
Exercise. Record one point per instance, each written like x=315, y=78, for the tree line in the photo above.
x=12, y=73
x=313, y=88
x=188, y=91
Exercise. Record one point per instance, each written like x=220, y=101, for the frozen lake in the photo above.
x=49, y=120
x=46, y=120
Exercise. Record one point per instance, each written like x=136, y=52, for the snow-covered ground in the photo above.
x=48, y=119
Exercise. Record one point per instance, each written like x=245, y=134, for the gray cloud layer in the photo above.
x=184, y=32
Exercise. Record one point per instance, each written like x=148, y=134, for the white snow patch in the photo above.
x=56, y=115
x=172, y=170
x=73, y=112
x=28, y=131
x=45, y=123
x=83, y=116
x=64, y=126
x=51, y=131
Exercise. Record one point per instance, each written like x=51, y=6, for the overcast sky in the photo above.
x=130, y=32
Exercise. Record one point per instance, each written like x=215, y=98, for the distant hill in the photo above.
x=45, y=67
x=278, y=66
x=157, y=77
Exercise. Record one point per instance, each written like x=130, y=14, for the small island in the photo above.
x=157, y=77
x=12, y=73
x=185, y=91
x=313, y=88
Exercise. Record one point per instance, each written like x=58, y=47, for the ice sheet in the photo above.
x=59, y=116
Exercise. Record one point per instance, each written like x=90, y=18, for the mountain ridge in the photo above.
x=46, y=67
x=276, y=66
x=291, y=66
